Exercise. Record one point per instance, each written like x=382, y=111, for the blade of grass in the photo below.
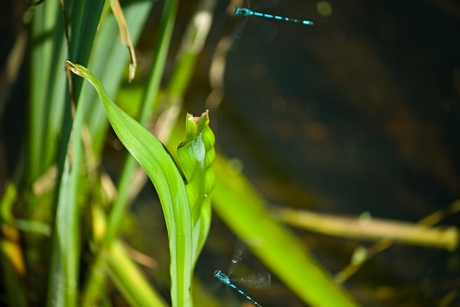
x=242, y=209
x=42, y=106
x=63, y=280
x=43, y=22
x=125, y=274
x=160, y=53
x=162, y=171
x=83, y=18
x=191, y=47
x=129, y=279
x=371, y=229
x=56, y=88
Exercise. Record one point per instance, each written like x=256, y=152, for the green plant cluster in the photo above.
x=59, y=218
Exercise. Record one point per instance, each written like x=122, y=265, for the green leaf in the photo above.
x=160, y=167
x=196, y=155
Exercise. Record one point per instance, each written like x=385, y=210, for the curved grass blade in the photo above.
x=91, y=292
x=160, y=167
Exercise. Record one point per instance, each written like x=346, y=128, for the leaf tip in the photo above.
x=73, y=68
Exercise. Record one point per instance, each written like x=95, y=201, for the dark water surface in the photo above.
x=358, y=113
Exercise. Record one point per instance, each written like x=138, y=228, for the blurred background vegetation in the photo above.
x=354, y=118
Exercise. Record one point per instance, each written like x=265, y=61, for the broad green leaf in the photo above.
x=160, y=167
x=135, y=14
